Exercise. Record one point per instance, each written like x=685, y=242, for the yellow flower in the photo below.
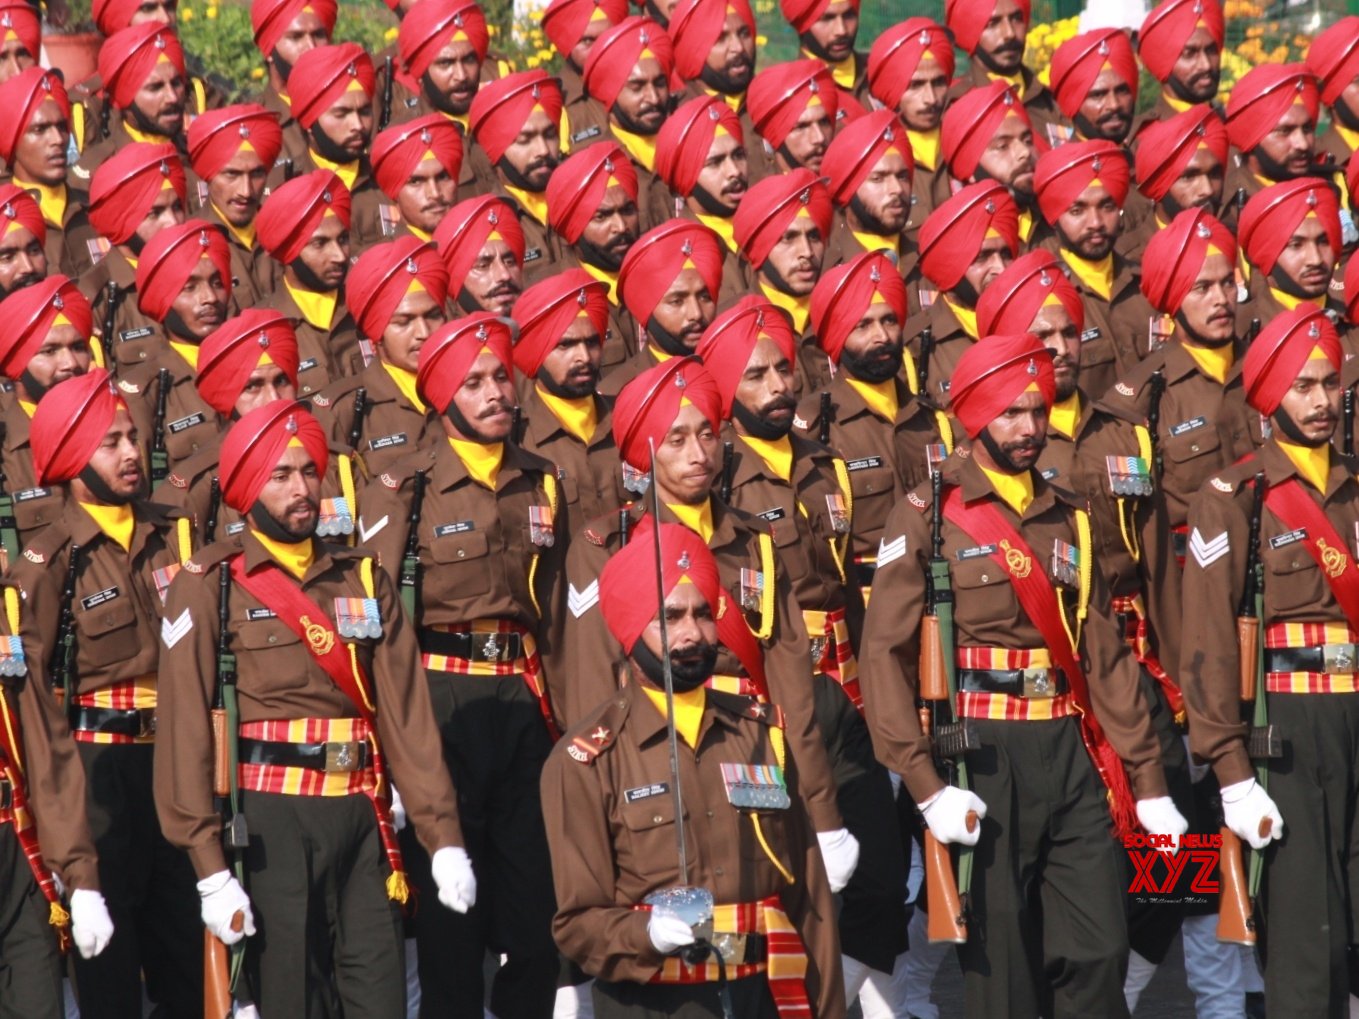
x=212, y=13
x=257, y=73
x=544, y=55
x=186, y=14
x=389, y=35
x=532, y=60
x=762, y=40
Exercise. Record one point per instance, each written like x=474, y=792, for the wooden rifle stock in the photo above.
x=221, y=773
x=946, y=923
x=933, y=677
x=1247, y=646
x=1235, y=924
x=217, y=973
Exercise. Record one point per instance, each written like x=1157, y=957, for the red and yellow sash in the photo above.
x=1297, y=510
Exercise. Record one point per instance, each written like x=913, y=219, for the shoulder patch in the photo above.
x=770, y=714
x=1207, y=551
x=916, y=501
x=321, y=401
x=801, y=423
x=1223, y=486
x=34, y=556
x=176, y=480
x=389, y=481
x=1123, y=389
x=193, y=566
x=128, y=387
x=594, y=537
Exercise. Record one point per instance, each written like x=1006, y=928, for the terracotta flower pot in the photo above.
x=75, y=56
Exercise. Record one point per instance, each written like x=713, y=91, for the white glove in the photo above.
x=452, y=869
x=1160, y=817
x=668, y=933
x=222, y=898
x=1245, y=806
x=398, y=810
x=946, y=814
x=1197, y=772
x=840, y=853
x=91, y=925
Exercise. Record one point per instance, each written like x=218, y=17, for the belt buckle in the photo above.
x=146, y=719
x=1038, y=684
x=1338, y=659
x=732, y=948
x=490, y=647
x=343, y=758
x=818, y=650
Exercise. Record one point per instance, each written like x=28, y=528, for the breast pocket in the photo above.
x=1292, y=580
x=650, y=824
x=791, y=557
x=872, y=488
x=107, y=633
x=467, y=553
x=285, y=660
x=1193, y=445
x=990, y=597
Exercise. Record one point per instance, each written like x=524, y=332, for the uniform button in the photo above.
x=273, y=639
x=986, y=578
x=657, y=819
x=1296, y=564
x=1194, y=448
x=710, y=813
x=462, y=554
x=868, y=488
x=718, y=871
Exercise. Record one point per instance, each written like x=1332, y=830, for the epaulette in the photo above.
x=320, y=399
x=128, y=386
x=175, y=480
x=592, y=738
x=47, y=544
x=748, y=707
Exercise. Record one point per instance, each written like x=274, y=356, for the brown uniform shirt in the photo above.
x=612, y=835
x=987, y=613
x=294, y=140
x=73, y=245
x=590, y=476
x=949, y=340
x=253, y=273
x=278, y=678
x=35, y=506
x=323, y=356
x=97, y=152
x=540, y=241
x=190, y=424
x=392, y=426
x=138, y=338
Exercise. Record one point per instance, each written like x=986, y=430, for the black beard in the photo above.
x=757, y=425
x=1345, y=115
x=1284, y=283
x=326, y=147
x=871, y=223
x=273, y=528
x=282, y=66
x=654, y=13
x=720, y=81
x=566, y=390
x=1002, y=458
x=1023, y=199
x=809, y=43
x=666, y=340
x=518, y=180
x=103, y=493
x=877, y=367
x=468, y=432
x=26, y=280
x=1286, y=425
x=1092, y=131
x=470, y=304
x=710, y=203
x=1269, y=169
x=1070, y=246
x=791, y=160
x=145, y=124
x=600, y=258
x=683, y=676
x=1183, y=94
x=989, y=62
x=308, y=279
x=1203, y=341
x=628, y=124
x=965, y=293
x=36, y=390
x=437, y=99
x=176, y=326
x=776, y=280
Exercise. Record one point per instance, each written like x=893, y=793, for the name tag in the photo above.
x=136, y=334
x=388, y=441
x=772, y=514
x=1188, y=426
x=532, y=255
x=307, y=365
x=755, y=786
x=586, y=135
x=235, y=528
x=975, y=552
x=1048, y=473
x=99, y=598
x=1090, y=334
x=252, y=615
x=444, y=530
x=863, y=463
x=183, y=423
x=1291, y=538
x=27, y=494
x=645, y=792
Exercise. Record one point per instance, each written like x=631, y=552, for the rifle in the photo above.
x=410, y=559
x=1156, y=389
x=160, y=460
x=725, y=489
x=62, y=679
x=9, y=527
x=516, y=423
x=360, y=411
x=624, y=524
x=922, y=367
x=385, y=114
x=1253, y=331
x=214, y=506
x=104, y=112
x=826, y=414
x=1347, y=422
x=110, y=315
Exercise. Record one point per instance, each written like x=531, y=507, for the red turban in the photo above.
x=564, y=21
x=323, y=74
x=967, y=18
x=659, y=256
x=502, y=107
x=1352, y=290
x=1012, y=301
x=29, y=314
x=993, y=373
x=1168, y=27
x=771, y=205
x=952, y=234
x=254, y=445
x=215, y=137
x=382, y=277
x=430, y=25
x=128, y=55
x=779, y=95
x=844, y=293
x=21, y=18
x=126, y=184
x=897, y=52
x=1272, y=214
x=18, y=206
x=577, y=185
x=70, y=423
x=169, y=257
x=233, y=350
x=1174, y=256
x=398, y=150
x=448, y=355
x=547, y=309
x=856, y=149
x=686, y=137
x=111, y=15
x=1065, y=172
x=1334, y=58
x=1278, y=353
x=1165, y=147
x=616, y=53
x=20, y=97
x=803, y=14
x=970, y=120
x=696, y=25
x=730, y=340
x=1261, y=98
x=291, y=214
x=627, y=584
x=466, y=228
x=1078, y=62
x=646, y=407
x=271, y=18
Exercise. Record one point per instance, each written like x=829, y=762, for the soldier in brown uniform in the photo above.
x=22, y=259
x=870, y=171
x=482, y=245
x=1180, y=44
x=1094, y=80
x=793, y=107
x=98, y=576
x=1307, y=516
x=323, y=871
x=827, y=31
x=416, y=164
x=1180, y=165
x=1051, y=741
x=610, y=811
x=1271, y=123
x=305, y=228
x=1331, y=57
x=284, y=30
x=573, y=26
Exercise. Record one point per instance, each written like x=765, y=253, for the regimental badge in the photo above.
x=319, y=637
x=357, y=618
x=335, y=518
x=1129, y=476
x=1016, y=561
x=839, y=516
x=1333, y=560
x=752, y=589
x=756, y=786
x=1066, y=563
x=162, y=578
x=540, y=526
x=12, y=662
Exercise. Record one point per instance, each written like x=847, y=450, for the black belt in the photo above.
x=138, y=723
x=333, y=758
x=1332, y=659
x=474, y=647
x=864, y=573
x=1033, y=684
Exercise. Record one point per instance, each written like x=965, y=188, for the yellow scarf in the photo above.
x=1026, y=224
x=188, y=351
x=1174, y=102
x=967, y=317
x=1097, y=276
x=876, y=242
x=800, y=308
x=578, y=417
x=115, y=521
x=1015, y=489
x=143, y=137
x=1066, y=415
x=1017, y=80
x=51, y=200
x=641, y=147
x=405, y=382
x=482, y=460
x=532, y=202
x=1350, y=138
x=724, y=227
x=777, y=454
x=347, y=172
x=881, y=397
x=689, y=706
x=609, y=279
x=27, y=407
x=419, y=234
x=295, y=557
x=316, y=306
x=1312, y=462
x=925, y=148
x=843, y=72
x=698, y=519
x=245, y=235
x=1289, y=302
x=1214, y=362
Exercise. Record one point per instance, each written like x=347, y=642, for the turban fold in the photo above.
x=502, y=107
x=779, y=95
x=646, y=407
x=1065, y=172
x=1280, y=350
x=659, y=256
x=398, y=150
x=448, y=355
x=844, y=294
x=1168, y=27
x=803, y=14
x=125, y=185
x=1261, y=98
x=29, y=315
x=548, y=308
x=696, y=25
x=993, y=373
x=897, y=52
x=216, y=136
x=254, y=445
x=1175, y=254
x=577, y=185
x=966, y=19
x=382, y=277
x=17, y=206
x=970, y=121
x=564, y=21
x=271, y=18
x=20, y=97
x=466, y=228
x=684, y=140
x=128, y=55
x=70, y=423
x=1334, y=58
x=1165, y=147
x=323, y=74
x=20, y=19
x=627, y=584
x=289, y=217
x=1272, y=214
x=111, y=15
x=952, y=235
x=233, y=350
x=430, y=25
x=616, y=53
x=171, y=256
x=729, y=341
x=856, y=149
x=769, y=207
x=1012, y=301
x=1078, y=62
